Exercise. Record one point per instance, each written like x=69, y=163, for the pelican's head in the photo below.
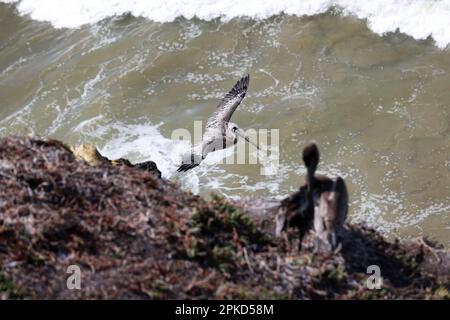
x=233, y=127
x=311, y=159
x=311, y=156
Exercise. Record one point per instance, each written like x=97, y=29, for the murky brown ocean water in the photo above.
x=379, y=106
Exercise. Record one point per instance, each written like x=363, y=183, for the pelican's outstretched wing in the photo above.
x=229, y=104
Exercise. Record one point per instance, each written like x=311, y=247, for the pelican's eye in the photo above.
x=235, y=128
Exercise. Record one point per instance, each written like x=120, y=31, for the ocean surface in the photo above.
x=368, y=80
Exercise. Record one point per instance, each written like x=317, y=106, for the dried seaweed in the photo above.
x=136, y=236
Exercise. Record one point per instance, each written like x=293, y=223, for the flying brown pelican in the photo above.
x=220, y=132
x=321, y=204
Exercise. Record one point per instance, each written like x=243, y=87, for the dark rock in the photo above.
x=90, y=154
x=149, y=166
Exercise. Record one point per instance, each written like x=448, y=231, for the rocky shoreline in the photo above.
x=135, y=235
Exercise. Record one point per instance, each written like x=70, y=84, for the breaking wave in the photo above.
x=419, y=18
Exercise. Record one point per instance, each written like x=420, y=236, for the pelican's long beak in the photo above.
x=241, y=134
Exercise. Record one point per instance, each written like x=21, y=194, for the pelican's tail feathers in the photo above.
x=186, y=167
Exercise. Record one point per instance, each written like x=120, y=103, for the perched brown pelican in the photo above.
x=330, y=199
x=321, y=204
x=220, y=132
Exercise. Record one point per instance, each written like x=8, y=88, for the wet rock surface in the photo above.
x=137, y=236
x=90, y=154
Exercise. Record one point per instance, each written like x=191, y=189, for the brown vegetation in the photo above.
x=135, y=235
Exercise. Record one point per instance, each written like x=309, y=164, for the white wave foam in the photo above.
x=143, y=142
x=419, y=18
